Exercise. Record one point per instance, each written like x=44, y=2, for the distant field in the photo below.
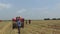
x=37, y=27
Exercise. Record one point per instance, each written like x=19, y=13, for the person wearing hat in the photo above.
x=22, y=21
x=29, y=21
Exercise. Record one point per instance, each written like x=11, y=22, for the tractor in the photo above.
x=14, y=22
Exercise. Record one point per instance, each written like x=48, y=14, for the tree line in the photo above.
x=52, y=19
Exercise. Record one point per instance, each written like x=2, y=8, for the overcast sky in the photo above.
x=29, y=9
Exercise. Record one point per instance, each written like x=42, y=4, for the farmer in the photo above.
x=29, y=21
x=18, y=24
x=26, y=21
x=22, y=21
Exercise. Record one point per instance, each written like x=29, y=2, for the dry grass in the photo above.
x=6, y=29
x=37, y=27
x=2, y=24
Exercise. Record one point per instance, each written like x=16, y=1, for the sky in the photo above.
x=29, y=9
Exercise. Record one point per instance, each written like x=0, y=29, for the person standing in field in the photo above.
x=18, y=24
x=22, y=22
x=29, y=21
x=26, y=21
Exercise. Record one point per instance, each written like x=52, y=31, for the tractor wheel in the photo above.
x=22, y=25
x=14, y=25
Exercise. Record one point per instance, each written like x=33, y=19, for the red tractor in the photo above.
x=14, y=24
